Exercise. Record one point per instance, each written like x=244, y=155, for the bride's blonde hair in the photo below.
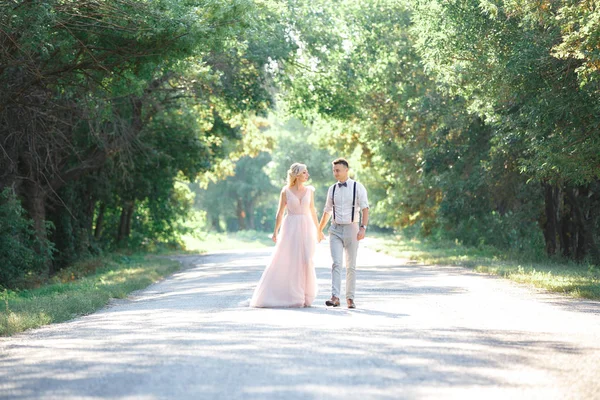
x=295, y=170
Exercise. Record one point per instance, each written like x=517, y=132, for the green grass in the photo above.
x=576, y=280
x=206, y=242
x=79, y=290
x=89, y=285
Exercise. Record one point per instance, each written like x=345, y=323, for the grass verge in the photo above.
x=242, y=240
x=576, y=280
x=89, y=285
x=79, y=290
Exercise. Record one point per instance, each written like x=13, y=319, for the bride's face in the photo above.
x=303, y=176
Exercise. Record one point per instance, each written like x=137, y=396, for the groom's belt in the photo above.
x=348, y=223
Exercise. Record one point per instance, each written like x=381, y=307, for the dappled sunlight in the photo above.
x=573, y=279
x=418, y=331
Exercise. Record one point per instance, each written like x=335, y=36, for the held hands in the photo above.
x=320, y=236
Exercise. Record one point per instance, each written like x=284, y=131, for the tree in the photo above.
x=240, y=195
x=500, y=58
x=451, y=101
x=104, y=103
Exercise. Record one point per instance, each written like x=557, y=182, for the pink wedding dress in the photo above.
x=290, y=280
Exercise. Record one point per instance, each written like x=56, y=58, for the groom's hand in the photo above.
x=361, y=233
x=321, y=236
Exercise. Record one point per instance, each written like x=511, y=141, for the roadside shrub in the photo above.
x=18, y=244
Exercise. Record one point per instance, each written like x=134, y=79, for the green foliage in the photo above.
x=109, y=104
x=500, y=59
x=463, y=110
x=579, y=23
x=297, y=143
x=483, y=202
x=469, y=119
x=253, y=189
x=21, y=253
x=244, y=200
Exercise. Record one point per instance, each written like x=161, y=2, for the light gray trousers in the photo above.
x=342, y=240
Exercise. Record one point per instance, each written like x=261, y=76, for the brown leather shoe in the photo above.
x=351, y=303
x=334, y=302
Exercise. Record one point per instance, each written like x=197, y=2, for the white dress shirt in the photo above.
x=343, y=202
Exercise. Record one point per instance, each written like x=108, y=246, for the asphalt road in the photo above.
x=418, y=332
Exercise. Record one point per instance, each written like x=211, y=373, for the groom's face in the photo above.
x=340, y=172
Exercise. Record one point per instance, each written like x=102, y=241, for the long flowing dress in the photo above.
x=290, y=280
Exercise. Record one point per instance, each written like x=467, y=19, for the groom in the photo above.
x=347, y=201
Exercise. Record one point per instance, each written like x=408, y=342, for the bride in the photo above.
x=290, y=280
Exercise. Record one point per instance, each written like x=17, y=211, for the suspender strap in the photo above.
x=353, y=200
x=333, y=200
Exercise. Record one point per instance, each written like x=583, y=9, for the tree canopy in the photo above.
x=474, y=120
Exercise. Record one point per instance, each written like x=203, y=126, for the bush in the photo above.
x=18, y=244
x=511, y=232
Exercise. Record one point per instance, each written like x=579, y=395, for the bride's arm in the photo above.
x=280, y=210
x=313, y=213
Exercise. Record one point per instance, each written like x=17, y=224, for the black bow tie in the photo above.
x=340, y=184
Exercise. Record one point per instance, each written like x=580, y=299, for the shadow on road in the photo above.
x=188, y=337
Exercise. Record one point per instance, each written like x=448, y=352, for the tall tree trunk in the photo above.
x=215, y=222
x=568, y=234
x=100, y=221
x=586, y=229
x=125, y=221
x=129, y=217
x=87, y=224
x=550, y=226
x=241, y=215
x=249, y=210
x=91, y=206
x=35, y=205
x=121, y=232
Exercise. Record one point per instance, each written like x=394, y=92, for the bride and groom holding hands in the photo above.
x=290, y=280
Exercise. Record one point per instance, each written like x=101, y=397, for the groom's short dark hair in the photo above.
x=342, y=161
